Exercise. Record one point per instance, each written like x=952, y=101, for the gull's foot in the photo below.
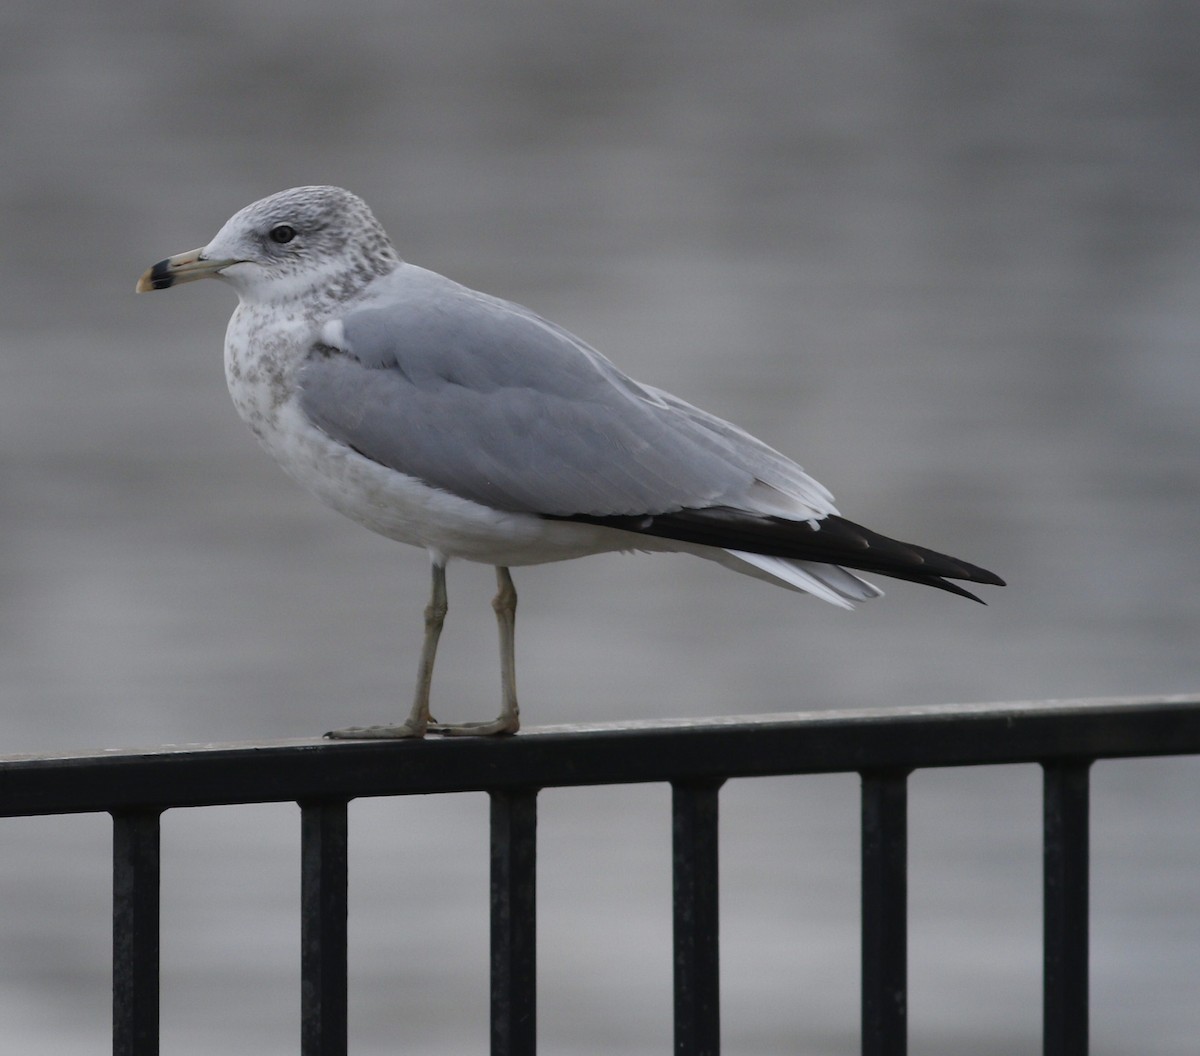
x=500, y=726
x=377, y=733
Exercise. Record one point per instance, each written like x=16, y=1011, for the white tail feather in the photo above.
x=830, y=583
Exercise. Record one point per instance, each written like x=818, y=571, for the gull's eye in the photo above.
x=281, y=234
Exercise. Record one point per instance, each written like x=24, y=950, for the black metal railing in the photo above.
x=696, y=758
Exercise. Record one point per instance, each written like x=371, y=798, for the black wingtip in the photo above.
x=954, y=588
x=833, y=540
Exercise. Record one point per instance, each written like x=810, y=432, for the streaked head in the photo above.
x=286, y=246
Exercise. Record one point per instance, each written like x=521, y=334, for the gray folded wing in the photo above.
x=487, y=401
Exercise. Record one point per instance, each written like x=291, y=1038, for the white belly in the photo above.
x=403, y=508
x=260, y=364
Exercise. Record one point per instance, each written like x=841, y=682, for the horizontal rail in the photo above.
x=878, y=739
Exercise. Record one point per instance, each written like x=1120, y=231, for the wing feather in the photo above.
x=488, y=401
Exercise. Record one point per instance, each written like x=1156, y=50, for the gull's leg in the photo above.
x=418, y=720
x=505, y=605
x=509, y=720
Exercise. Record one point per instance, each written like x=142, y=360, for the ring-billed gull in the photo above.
x=472, y=427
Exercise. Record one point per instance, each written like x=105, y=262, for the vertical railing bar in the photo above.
x=136, y=858
x=514, y=922
x=884, y=913
x=323, y=918
x=696, y=918
x=1065, y=909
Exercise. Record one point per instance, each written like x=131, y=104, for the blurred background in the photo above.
x=944, y=253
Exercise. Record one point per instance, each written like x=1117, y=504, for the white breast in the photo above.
x=262, y=356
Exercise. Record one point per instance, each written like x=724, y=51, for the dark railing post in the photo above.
x=697, y=953
x=1065, y=909
x=514, y=922
x=136, y=846
x=323, y=912
x=884, y=913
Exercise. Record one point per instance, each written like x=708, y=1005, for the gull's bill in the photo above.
x=183, y=267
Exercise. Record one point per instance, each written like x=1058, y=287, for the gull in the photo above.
x=470, y=426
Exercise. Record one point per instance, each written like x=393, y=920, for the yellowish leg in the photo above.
x=509, y=719
x=418, y=720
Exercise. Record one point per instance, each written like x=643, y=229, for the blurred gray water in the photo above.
x=946, y=254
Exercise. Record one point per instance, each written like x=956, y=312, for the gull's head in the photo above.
x=295, y=243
